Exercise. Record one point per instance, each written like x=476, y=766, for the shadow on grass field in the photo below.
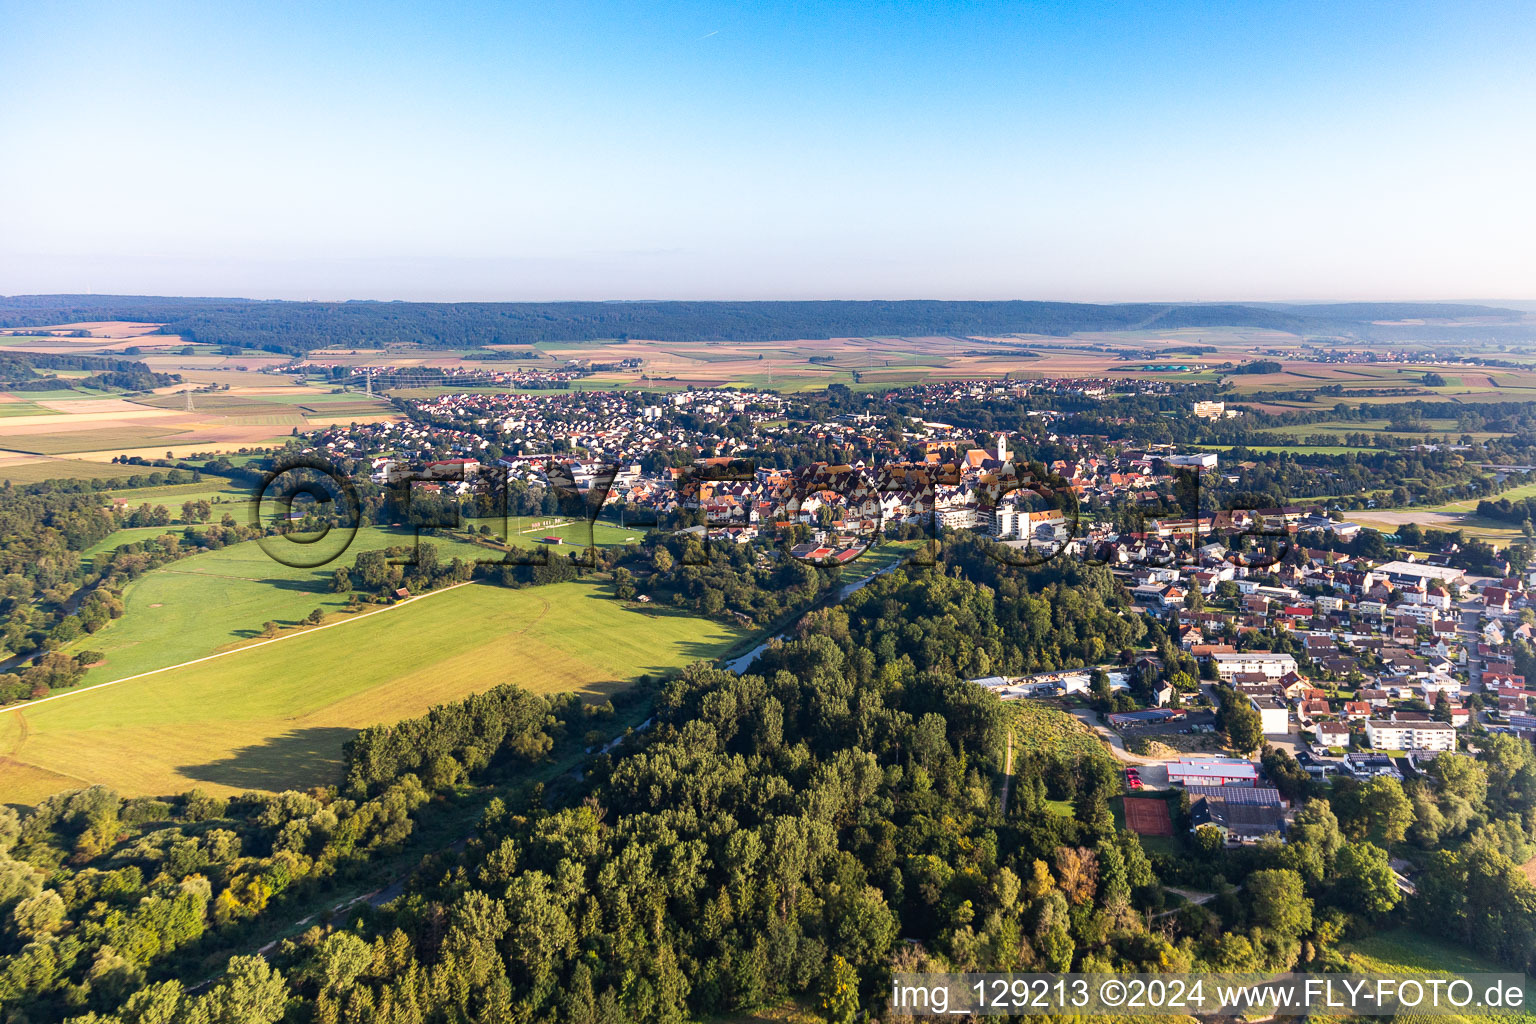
x=273, y=763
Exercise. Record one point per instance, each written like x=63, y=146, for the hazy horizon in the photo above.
x=1526, y=305
x=490, y=152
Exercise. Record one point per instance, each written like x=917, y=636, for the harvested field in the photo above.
x=31, y=469
x=117, y=439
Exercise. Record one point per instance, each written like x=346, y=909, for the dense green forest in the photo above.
x=799, y=831
x=25, y=371
x=296, y=327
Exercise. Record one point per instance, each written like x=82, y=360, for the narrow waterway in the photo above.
x=741, y=664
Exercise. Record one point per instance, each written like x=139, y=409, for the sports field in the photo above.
x=1148, y=817
x=275, y=716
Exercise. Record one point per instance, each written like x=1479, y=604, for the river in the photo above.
x=741, y=664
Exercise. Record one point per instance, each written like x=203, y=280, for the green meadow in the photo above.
x=519, y=531
x=11, y=409
x=211, y=601
x=275, y=716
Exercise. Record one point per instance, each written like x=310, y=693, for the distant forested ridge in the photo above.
x=21, y=371
x=297, y=327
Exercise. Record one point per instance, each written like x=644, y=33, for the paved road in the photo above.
x=1090, y=718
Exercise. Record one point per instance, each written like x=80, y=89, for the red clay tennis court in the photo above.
x=1148, y=817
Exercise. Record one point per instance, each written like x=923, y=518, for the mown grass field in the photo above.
x=1409, y=952
x=275, y=716
x=1454, y=515
x=209, y=602
x=135, y=534
x=221, y=500
x=519, y=531
x=212, y=489
x=1516, y=493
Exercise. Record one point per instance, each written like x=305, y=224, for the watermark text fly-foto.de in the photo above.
x=1372, y=995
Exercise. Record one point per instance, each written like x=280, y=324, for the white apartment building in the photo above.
x=1423, y=614
x=1410, y=735
x=1274, y=715
x=1434, y=596
x=1270, y=664
x=1009, y=522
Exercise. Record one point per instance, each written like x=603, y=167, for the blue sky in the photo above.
x=691, y=150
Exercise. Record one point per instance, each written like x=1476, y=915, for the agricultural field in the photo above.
x=220, y=599
x=212, y=489
x=221, y=500
x=860, y=363
x=1343, y=428
x=11, y=406
x=1454, y=515
x=30, y=469
x=238, y=408
x=73, y=442
x=61, y=395
x=1294, y=449
x=24, y=340
x=275, y=716
x=250, y=409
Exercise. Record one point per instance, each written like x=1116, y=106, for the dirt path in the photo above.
x=1197, y=898
x=1008, y=772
